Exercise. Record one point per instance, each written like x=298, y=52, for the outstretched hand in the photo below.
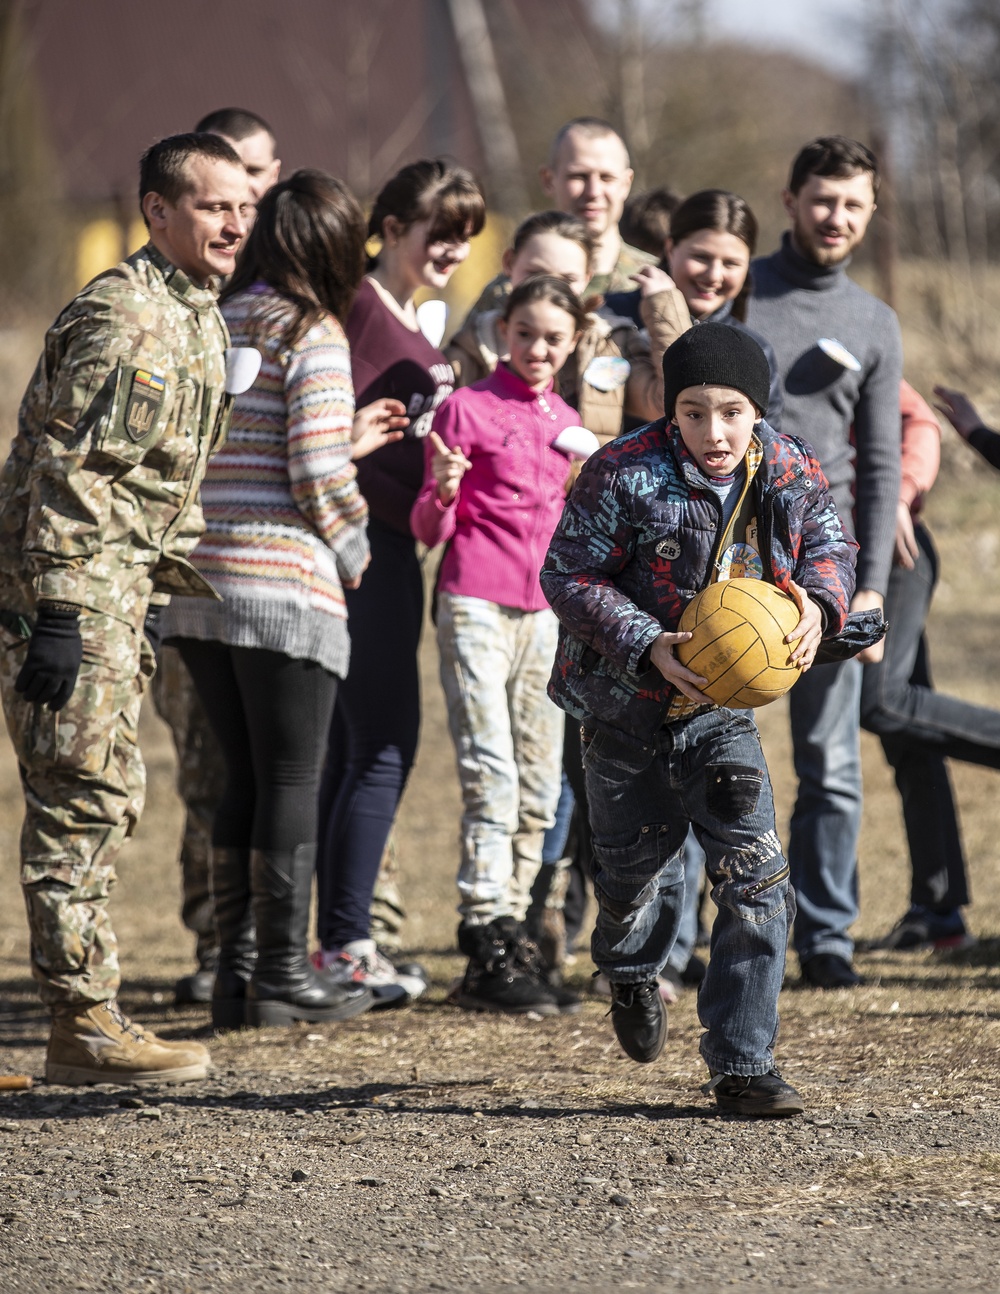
x=377, y=424
x=959, y=410
x=448, y=467
x=809, y=631
x=661, y=655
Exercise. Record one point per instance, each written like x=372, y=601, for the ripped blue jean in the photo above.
x=707, y=771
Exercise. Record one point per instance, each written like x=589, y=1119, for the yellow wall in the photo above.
x=100, y=245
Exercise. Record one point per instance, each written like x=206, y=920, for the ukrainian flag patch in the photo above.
x=143, y=407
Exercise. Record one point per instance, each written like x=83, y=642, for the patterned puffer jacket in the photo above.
x=638, y=539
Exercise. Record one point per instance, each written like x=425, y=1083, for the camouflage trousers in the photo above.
x=84, y=784
x=201, y=778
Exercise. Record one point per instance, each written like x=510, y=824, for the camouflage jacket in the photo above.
x=99, y=496
x=640, y=535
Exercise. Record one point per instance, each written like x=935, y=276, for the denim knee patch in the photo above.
x=732, y=790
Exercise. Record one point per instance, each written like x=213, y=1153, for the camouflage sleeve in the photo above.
x=96, y=422
x=594, y=542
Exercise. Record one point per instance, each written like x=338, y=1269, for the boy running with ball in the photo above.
x=656, y=516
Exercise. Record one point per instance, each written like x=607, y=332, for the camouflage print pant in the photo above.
x=201, y=776
x=84, y=783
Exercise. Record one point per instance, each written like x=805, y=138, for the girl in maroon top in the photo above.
x=424, y=216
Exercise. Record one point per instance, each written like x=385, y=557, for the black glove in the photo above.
x=152, y=628
x=55, y=651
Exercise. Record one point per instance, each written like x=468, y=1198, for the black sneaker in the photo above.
x=756, y=1096
x=829, y=970
x=495, y=979
x=639, y=1015
x=922, y=928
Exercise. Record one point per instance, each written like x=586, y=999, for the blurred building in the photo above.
x=355, y=87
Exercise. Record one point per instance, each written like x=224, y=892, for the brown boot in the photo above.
x=97, y=1044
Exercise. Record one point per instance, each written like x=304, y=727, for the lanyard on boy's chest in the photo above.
x=737, y=550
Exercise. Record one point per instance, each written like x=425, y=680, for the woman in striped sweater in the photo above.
x=285, y=535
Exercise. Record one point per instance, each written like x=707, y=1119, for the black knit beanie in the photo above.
x=715, y=354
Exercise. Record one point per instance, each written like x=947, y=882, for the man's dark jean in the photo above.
x=707, y=771
x=919, y=728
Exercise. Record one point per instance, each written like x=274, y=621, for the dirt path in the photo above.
x=427, y=1149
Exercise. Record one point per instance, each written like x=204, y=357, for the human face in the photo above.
x=716, y=424
x=418, y=263
x=539, y=337
x=591, y=179
x=202, y=233
x=550, y=253
x=830, y=215
x=709, y=267
x=256, y=152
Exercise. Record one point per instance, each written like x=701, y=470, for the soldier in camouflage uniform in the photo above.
x=98, y=512
x=588, y=176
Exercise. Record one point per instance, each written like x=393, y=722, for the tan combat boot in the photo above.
x=98, y=1044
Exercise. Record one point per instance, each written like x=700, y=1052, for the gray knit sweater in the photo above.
x=795, y=303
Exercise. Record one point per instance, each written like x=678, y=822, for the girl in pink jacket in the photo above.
x=497, y=462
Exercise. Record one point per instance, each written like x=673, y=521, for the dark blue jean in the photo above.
x=373, y=737
x=708, y=772
x=825, y=710
x=920, y=728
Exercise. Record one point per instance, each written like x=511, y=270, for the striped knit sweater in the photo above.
x=284, y=520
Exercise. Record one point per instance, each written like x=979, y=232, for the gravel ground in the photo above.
x=421, y=1151
x=429, y=1149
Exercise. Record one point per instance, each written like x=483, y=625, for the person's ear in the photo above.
x=154, y=207
x=790, y=202
x=507, y=261
x=501, y=327
x=628, y=177
x=548, y=179
x=392, y=229
x=668, y=249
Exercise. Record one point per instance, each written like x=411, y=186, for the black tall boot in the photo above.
x=230, y=881
x=284, y=987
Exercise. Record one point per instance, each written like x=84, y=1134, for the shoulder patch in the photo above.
x=143, y=403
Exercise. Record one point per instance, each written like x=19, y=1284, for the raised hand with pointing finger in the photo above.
x=448, y=467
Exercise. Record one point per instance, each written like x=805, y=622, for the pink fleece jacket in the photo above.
x=510, y=499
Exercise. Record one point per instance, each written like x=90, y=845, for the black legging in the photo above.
x=271, y=714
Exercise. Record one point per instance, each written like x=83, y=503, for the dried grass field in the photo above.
x=431, y=1149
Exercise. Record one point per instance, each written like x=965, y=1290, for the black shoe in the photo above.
x=694, y=972
x=639, y=1015
x=495, y=978
x=829, y=970
x=284, y=987
x=528, y=957
x=921, y=928
x=757, y=1096
x=194, y=989
x=230, y=877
